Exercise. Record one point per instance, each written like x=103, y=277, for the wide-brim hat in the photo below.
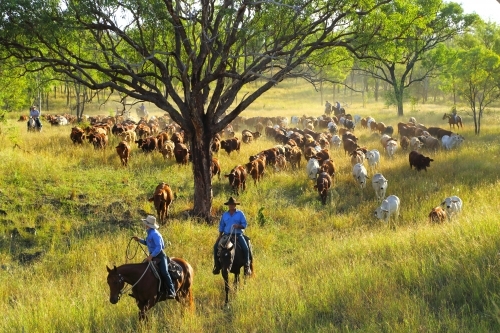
x=231, y=201
x=150, y=221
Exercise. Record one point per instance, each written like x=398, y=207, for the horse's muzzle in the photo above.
x=114, y=299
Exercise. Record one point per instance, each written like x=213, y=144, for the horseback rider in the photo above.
x=35, y=114
x=155, y=244
x=232, y=221
x=454, y=113
x=337, y=105
x=328, y=108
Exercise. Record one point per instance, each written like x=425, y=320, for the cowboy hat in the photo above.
x=231, y=201
x=150, y=221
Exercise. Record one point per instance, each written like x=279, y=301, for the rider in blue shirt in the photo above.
x=35, y=114
x=155, y=244
x=232, y=221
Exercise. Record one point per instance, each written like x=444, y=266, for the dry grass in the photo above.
x=330, y=268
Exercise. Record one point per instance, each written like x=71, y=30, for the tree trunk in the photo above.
x=202, y=161
x=398, y=92
x=377, y=85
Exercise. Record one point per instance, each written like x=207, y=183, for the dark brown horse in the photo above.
x=144, y=285
x=232, y=260
x=452, y=121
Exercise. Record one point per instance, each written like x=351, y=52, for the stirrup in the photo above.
x=216, y=270
x=248, y=271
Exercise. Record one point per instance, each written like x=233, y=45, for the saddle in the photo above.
x=226, y=242
x=173, y=268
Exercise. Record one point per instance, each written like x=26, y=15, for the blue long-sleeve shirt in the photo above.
x=154, y=242
x=227, y=220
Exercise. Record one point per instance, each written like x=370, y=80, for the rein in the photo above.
x=128, y=252
x=122, y=279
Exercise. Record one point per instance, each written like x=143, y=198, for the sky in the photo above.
x=489, y=10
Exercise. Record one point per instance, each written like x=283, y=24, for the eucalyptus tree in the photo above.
x=210, y=49
x=410, y=30
x=475, y=64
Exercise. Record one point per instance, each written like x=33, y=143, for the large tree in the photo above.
x=411, y=30
x=211, y=49
x=475, y=65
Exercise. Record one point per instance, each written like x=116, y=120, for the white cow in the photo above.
x=373, y=157
x=61, y=121
x=294, y=120
x=332, y=127
x=312, y=168
x=360, y=175
x=369, y=120
x=379, y=184
x=390, y=206
x=452, y=206
x=357, y=118
x=415, y=144
x=391, y=148
x=384, y=139
x=450, y=142
x=335, y=142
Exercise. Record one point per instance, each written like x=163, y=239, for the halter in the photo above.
x=122, y=279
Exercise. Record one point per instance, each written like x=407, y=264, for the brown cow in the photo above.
x=168, y=149
x=256, y=169
x=215, y=167
x=437, y=214
x=237, y=178
x=77, y=135
x=230, y=145
x=162, y=198
x=23, y=118
x=329, y=167
x=405, y=142
x=294, y=157
x=99, y=140
x=123, y=150
x=419, y=161
x=181, y=153
x=215, y=147
x=349, y=146
x=323, y=184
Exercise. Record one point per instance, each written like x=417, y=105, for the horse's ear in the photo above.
x=109, y=270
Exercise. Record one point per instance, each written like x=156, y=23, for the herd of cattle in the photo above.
x=292, y=144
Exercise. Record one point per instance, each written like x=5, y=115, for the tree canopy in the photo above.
x=210, y=49
x=409, y=32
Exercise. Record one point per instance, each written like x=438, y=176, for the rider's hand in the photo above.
x=149, y=258
x=135, y=238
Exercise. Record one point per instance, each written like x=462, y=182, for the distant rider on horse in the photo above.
x=35, y=114
x=454, y=113
x=232, y=221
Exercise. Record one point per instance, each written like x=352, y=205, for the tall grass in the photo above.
x=332, y=268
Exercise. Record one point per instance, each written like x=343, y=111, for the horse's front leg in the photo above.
x=143, y=307
x=225, y=275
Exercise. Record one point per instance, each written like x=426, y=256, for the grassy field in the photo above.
x=332, y=268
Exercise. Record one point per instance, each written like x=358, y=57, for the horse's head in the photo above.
x=226, y=247
x=445, y=116
x=116, y=283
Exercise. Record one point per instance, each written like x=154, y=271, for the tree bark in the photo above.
x=398, y=92
x=202, y=160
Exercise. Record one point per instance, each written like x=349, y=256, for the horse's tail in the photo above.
x=185, y=290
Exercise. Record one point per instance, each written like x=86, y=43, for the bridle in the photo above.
x=122, y=280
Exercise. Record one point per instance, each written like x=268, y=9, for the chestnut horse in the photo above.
x=452, y=121
x=232, y=261
x=144, y=285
